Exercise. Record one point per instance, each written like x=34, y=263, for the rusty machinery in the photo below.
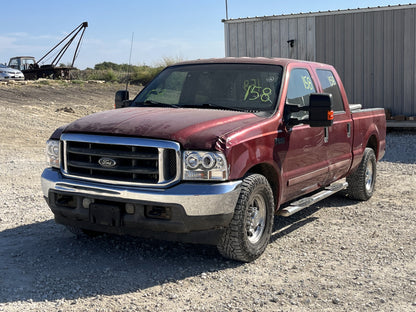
x=33, y=70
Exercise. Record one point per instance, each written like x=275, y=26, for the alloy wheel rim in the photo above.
x=256, y=219
x=369, y=177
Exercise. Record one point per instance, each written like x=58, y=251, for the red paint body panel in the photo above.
x=301, y=159
x=368, y=123
x=192, y=128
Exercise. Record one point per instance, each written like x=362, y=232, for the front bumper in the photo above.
x=11, y=78
x=183, y=208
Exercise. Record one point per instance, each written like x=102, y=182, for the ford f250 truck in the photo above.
x=210, y=150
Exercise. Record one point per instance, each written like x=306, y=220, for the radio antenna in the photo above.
x=128, y=68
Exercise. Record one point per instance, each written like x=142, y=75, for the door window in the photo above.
x=26, y=63
x=14, y=64
x=329, y=85
x=299, y=90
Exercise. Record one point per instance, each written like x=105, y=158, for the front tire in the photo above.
x=248, y=233
x=362, y=182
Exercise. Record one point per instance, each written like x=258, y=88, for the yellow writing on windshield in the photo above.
x=253, y=91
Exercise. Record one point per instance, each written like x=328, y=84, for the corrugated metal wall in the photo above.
x=268, y=37
x=373, y=50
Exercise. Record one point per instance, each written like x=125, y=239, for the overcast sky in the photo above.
x=176, y=29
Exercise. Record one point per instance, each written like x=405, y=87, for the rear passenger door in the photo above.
x=338, y=136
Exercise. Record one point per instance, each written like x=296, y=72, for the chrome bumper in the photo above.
x=197, y=199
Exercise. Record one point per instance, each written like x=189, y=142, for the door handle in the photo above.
x=326, y=135
x=348, y=130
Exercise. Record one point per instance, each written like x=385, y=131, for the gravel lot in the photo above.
x=338, y=255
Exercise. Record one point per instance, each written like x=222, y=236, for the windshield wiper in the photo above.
x=210, y=105
x=155, y=103
x=223, y=107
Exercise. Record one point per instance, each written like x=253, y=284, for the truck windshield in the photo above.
x=241, y=87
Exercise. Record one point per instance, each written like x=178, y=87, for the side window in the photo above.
x=329, y=85
x=13, y=63
x=299, y=89
x=26, y=63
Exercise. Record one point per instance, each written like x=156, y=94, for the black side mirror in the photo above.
x=122, y=98
x=320, y=110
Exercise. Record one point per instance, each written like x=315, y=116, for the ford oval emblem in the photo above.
x=106, y=162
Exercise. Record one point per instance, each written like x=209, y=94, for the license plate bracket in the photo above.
x=103, y=214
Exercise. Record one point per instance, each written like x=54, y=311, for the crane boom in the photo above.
x=33, y=70
x=61, y=52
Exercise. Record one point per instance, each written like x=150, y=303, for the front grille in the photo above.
x=120, y=160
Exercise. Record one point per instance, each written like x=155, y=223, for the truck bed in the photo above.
x=367, y=132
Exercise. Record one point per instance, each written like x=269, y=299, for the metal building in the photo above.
x=373, y=49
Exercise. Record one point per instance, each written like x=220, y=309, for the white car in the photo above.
x=8, y=73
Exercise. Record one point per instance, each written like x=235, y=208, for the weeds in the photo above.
x=121, y=73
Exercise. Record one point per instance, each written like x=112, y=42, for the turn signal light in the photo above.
x=331, y=115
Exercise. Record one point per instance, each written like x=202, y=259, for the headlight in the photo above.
x=52, y=153
x=198, y=165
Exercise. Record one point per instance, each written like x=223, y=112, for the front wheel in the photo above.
x=249, y=231
x=361, y=183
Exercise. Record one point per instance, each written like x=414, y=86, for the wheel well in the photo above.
x=372, y=143
x=270, y=174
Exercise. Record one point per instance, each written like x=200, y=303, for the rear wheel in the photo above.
x=362, y=182
x=249, y=232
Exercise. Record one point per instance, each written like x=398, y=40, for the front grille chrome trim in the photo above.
x=162, y=151
x=160, y=161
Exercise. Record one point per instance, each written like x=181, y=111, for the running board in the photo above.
x=308, y=201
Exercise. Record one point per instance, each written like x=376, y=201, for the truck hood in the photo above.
x=192, y=128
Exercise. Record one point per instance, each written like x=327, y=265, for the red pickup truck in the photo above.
x=210, y=150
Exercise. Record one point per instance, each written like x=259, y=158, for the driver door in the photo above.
x=303, y=157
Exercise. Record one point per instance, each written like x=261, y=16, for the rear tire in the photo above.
x=362, y=182
x=248, y=233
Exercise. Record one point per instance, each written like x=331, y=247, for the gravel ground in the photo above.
x=338, y=255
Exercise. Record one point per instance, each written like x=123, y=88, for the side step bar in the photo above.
x=308, y=201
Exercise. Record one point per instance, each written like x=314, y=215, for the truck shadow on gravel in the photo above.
x=43, y=261
x=285, y=225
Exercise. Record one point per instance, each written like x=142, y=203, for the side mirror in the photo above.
x=122, y=98
x=320, y=110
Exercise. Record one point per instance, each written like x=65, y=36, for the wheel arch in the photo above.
x=373, y=143
x=269, y=172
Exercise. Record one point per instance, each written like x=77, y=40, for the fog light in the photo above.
x=130, y=208
x=86, y=202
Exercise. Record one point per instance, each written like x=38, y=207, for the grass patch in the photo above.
x=77, y=81
x=121, y=73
